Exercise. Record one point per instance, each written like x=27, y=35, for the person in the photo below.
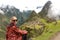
x=12, y=31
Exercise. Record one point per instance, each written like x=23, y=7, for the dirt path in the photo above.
x=56, y=36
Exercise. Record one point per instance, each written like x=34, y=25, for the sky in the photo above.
x=30, y=4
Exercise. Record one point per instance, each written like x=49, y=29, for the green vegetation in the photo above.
x=50, y=30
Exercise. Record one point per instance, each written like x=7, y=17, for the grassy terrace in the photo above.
x=50, y=30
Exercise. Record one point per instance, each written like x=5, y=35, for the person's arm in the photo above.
x=19, y=31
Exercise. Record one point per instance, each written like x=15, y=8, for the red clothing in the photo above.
x=13, y=33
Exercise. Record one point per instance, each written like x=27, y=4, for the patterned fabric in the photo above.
x=13, y=33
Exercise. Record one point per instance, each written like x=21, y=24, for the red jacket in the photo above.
x=13, y=33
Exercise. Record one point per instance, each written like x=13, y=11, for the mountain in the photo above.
x=33, y=15
x=45, y=9
x=10, y=11
x=33, y=25
x=26, y=14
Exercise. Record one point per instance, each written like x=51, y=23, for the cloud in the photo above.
x=21, y=4
x=1, y=12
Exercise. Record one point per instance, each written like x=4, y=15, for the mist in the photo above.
x=54, y=12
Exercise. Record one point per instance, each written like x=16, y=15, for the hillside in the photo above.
x=49, y=31
x=33, y=25
x=2, y=26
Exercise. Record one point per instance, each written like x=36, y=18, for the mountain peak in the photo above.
x=45, y=9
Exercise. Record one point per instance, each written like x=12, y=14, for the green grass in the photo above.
x=2, y=35
x=50, y=30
